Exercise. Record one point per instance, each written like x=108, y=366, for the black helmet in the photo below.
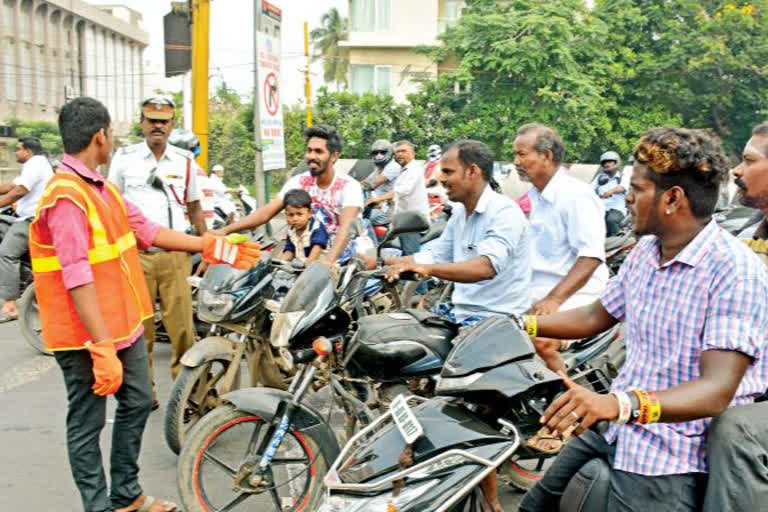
x=381, y=152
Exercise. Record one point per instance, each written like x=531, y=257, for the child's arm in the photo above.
x=315, y=253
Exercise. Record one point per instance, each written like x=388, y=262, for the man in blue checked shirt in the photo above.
x=694, y=301
x=484, y=248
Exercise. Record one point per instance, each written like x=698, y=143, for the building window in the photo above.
x=10, y=70
x=368, y=78
x=26, y=73
x=8, y=14
x=451, y=14
x=371, y=15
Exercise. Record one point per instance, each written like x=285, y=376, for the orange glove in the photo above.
x=107, y=368
x=233, y=249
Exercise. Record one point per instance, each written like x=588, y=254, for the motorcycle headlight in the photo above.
x=282, y=328
x=213, y=307
x=347, y=503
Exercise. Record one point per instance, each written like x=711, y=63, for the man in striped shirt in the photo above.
x=695, y=305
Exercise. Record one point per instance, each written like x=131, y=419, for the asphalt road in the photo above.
x=34, y=467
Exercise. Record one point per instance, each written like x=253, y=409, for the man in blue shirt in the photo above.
x=484, y=248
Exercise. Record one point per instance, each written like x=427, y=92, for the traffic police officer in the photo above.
x=162, y=180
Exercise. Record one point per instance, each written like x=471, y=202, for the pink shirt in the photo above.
x=70, y=231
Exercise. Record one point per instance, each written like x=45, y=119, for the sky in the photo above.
x=231, y=43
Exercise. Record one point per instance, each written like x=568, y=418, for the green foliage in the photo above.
x=47, y=132
x=326, y=39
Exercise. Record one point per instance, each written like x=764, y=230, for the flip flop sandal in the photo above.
x=150, y=504
x=543, y=441
x=5, y=317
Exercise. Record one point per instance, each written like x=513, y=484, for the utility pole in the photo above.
x=307, y=86
x=201, y=18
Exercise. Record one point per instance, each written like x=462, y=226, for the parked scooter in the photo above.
x=432, y=455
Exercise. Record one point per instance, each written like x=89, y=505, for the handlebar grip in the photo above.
x=409, y=275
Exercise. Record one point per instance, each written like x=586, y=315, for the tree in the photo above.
x=703, y=60
x=326, y=42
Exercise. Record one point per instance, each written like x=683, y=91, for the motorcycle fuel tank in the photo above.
x=487, y=344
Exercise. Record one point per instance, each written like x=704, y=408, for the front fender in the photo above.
x=265, y=402
x=209, y=349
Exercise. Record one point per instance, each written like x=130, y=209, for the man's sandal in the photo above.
x=146, y=503
x=543, y=441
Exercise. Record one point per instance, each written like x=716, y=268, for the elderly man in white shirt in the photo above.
x=567, y=222
x=25, y=190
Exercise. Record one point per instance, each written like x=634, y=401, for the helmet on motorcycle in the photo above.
x=434, y=153
x=185, y=139
x=610, y=155
x=381, y=152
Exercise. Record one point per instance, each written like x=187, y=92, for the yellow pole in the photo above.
x=307, y=86
x=201, y=17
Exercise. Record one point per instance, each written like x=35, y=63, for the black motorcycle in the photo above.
x=267, y=445
x=430, y=455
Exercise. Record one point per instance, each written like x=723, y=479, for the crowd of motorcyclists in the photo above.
x=691, y=297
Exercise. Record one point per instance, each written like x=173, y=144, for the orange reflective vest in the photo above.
x=117, y=275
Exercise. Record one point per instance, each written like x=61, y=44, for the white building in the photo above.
x=55, y=50
x=383, y=36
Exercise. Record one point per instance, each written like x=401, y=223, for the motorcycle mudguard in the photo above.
x=265, y=402
x=208, y=349
x=588, y=489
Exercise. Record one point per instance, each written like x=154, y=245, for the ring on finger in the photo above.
x=573, y=413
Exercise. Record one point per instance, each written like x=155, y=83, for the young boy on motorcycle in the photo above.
x=307, y=238
x=694, y=300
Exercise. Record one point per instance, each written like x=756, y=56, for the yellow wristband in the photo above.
x=654, y=414
x=531, y=325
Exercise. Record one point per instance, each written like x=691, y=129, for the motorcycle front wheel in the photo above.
x=215, y=449
x=195, y=392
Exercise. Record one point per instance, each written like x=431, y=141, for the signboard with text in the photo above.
x=268, y=87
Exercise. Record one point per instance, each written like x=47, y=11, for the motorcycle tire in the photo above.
x=29, y=321
x=219, y=430
x=520, y=477
x=182, y=411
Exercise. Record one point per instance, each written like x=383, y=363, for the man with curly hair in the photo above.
x=737, y=443
x=693, y=299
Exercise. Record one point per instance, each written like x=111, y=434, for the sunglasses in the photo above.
x=378, y=152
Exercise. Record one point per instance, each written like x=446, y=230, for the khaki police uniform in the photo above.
x=132, y=170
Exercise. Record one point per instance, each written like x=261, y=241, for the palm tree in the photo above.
x=326, y=42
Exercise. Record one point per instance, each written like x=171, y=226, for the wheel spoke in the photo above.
x=253, y=443
x=290, y=460
x=220, y=464
x=235, y=502
x=275, y=498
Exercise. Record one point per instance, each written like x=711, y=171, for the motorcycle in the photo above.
x=431, y=455
x=287, y=444
x=232, y=302
x=29, y=317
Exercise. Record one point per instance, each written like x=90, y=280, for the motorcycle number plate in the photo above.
x=406, y=421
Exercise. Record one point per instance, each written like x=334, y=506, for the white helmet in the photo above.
x=217, y=168
x=434, y=153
